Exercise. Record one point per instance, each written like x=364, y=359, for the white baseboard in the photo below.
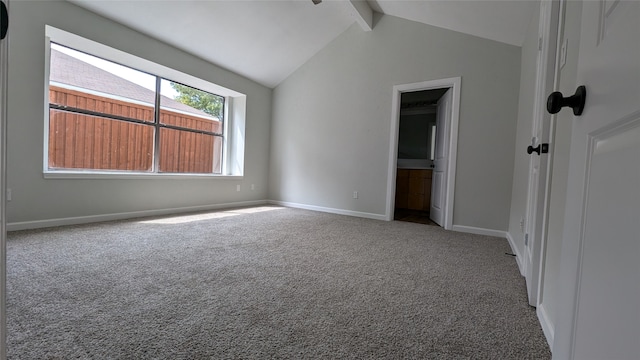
x=479, y=231
x=36, y=224
x=545, y=322
x=330, y=210
x=515, y=250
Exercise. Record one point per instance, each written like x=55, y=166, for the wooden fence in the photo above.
x=79, y=141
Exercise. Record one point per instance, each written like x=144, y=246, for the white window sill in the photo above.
x=142, y=176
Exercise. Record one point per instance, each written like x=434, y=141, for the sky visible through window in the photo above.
x=137, y=77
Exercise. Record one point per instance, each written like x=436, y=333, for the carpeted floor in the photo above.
x=266, y=282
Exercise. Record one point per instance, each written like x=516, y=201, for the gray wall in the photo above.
x=561, y=145
x=332, y=118
x=523, y=133
x=36, y=198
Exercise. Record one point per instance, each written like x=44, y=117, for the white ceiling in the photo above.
x=501, y=20
x=266, y=40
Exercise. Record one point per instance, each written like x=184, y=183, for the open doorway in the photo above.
x=424, y=135
x=417, y=135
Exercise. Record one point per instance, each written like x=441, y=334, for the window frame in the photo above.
x=234, y=111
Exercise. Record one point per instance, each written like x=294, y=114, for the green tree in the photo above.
x=210, y=103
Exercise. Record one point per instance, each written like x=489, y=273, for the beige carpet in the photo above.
x=262, y=283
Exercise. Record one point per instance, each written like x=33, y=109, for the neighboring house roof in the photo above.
x=68, y=70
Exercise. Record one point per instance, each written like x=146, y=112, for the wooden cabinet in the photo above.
x=413, y=189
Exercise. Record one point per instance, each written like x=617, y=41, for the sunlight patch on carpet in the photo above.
x=208, y=216
x=254, y=210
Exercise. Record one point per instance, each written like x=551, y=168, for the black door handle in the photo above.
x=541, y=148
x=4, y=20
x=556, y=101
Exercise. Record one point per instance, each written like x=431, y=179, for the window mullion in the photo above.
x=156, y=122
x=186, y=129
x=224, y=139
x=75, y=110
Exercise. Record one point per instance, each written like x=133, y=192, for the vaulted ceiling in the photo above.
x=266, y=40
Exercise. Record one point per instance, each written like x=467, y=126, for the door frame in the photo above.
x=4, y=87
x=454, y=84
x=538, y=197
x=548, y=325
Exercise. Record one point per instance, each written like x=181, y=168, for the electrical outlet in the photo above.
x=253, y=186
x=9, y=193
x=237, y=187
x=522, y=224
x=355, y=194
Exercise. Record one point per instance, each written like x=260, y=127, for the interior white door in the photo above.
x=599, y=313
x=440, y=162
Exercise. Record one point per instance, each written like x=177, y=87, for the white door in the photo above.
x=599, y=310
x=439, y=174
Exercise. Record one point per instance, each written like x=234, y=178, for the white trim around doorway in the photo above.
x=452, y=146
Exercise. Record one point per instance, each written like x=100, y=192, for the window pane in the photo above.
x=190, y=152
x=190, y=108
x=79, y=141
x=87, y=82
x=432, y=149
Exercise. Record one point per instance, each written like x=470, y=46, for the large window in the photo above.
x=109, y=118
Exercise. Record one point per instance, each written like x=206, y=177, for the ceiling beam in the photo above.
x=363, y=13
